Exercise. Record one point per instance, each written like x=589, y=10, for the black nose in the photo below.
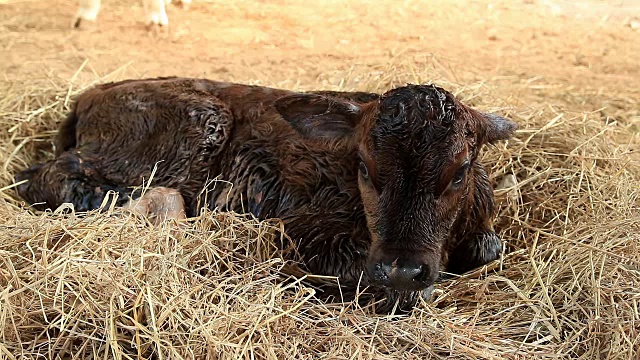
x=405, y=277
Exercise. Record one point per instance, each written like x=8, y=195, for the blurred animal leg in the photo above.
x=88, y=11
x=156, y=14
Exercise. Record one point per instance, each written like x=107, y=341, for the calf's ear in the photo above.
x=316, y=116
x=496, y=128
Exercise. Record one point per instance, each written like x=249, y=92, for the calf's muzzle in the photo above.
x=402, y=270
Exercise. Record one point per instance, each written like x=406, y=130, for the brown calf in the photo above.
x=388, y=186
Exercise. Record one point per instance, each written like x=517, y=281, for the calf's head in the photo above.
x=417, y=147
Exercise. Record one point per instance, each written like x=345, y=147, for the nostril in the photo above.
x=424, y=273
x=407, y=273
x=381, y=272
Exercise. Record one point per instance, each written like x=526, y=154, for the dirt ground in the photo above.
x=589, y=45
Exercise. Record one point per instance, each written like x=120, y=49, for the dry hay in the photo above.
x=112, y=285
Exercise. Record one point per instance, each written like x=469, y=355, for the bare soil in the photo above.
x=588, y=44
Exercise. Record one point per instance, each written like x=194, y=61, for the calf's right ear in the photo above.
x=496, y=128
x=317, y=116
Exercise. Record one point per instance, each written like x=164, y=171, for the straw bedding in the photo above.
x=112, y=285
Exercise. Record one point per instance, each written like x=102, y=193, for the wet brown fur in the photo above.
x=279, y=154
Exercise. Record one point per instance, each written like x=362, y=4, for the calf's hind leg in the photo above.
x=67, y=179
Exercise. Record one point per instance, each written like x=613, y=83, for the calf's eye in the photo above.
x=460, y=174
x=364, y=171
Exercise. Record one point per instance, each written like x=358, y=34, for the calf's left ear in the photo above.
x=497, y=128
x=317, y=116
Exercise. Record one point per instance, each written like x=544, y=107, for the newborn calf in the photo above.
x=386, y=186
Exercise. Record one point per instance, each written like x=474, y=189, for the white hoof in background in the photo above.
x=156, y=13
x=88, y=11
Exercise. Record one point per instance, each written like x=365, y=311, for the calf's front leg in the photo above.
x=474, y=251
x=479, y=244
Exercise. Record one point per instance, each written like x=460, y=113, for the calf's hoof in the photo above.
x=478, y=250
x=159, y=204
